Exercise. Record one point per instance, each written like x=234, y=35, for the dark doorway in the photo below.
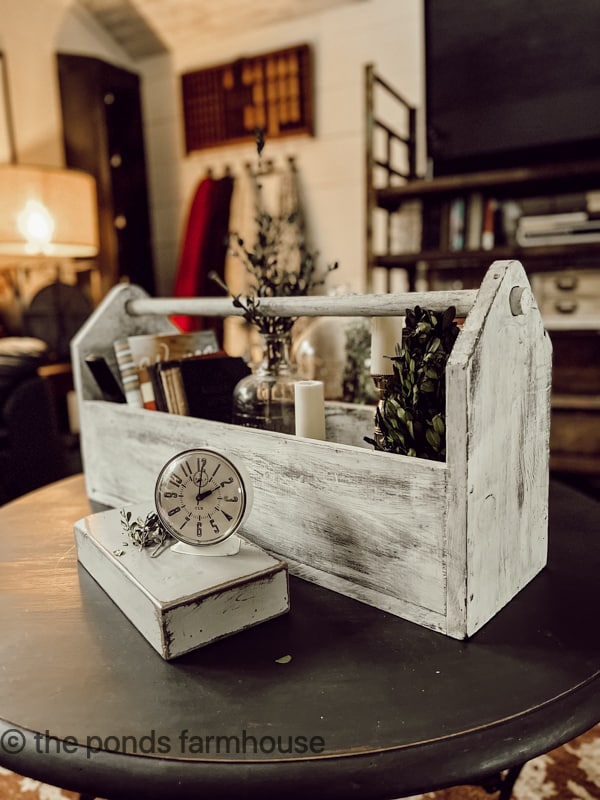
x=103, y=135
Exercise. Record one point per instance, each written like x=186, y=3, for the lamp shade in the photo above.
x=46, y=211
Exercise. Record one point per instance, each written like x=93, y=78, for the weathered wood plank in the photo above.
x=374, y=305
x=371, y=518
x=498, y=418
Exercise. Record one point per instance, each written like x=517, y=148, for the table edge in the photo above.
x=365, y=773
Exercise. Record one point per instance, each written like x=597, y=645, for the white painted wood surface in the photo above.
x=445, y=545
x=366, y=305
x=374, y=520
x=498, y=419
x=180, y=602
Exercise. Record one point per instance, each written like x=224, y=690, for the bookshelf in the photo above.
x=549, y=187
x=564, y=268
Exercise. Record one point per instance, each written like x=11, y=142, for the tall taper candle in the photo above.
x=386, y=332
x=310, y=409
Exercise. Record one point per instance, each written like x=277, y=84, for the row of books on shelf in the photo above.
x=465, y=222
x=178, y=373
x=477, y=222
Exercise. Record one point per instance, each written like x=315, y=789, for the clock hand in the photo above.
x=201, y=495
x=202, y=465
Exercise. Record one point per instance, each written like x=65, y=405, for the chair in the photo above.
x=31, y=452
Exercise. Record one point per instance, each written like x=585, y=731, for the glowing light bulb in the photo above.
x=36, y=225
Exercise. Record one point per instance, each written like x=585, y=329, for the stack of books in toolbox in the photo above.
x=179, y=373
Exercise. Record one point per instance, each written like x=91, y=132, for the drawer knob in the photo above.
x=566, y=306
x=567, y=282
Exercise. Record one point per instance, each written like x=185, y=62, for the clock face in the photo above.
x=201, y=497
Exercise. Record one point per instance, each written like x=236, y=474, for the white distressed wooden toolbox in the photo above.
x=445, y=545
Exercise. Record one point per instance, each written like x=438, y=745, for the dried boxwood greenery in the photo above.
x=412, y=421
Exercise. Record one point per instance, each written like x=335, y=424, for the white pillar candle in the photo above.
x=310, y=409
x=386, y=332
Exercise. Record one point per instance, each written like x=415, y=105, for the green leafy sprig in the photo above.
x=146, y=532
x=413, y=419
x=279, y=264
x=269, y=263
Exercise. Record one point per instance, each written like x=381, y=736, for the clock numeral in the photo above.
x=170, y=494
x=214, y=526
x=225, y=483
x=198, y=529
x=175, y=480
x=173, y=511
x=233, y=499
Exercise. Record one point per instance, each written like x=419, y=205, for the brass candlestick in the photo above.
x=383, y=385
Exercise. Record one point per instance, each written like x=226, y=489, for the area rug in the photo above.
x=571, y=772
x=16, y=787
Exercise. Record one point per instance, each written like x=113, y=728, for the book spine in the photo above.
x=474, y=222
x=105, y=379
x=157, y=387
x=179, y=392
x=430, y=231
x=166, y=382
x=129, y=374
x=457, y=223
x=488, y=236
x=146, y=389
x=173, y=388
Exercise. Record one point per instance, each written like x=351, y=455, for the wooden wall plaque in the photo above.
x=229, y=102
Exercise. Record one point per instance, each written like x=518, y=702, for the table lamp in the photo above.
x=48, y=212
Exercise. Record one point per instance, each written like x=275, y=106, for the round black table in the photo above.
x=367, y=705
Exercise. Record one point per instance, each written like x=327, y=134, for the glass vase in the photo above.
x=265, y=399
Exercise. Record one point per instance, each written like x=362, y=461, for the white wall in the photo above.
x=31, y=33
x=387, y=33
x=27, y=41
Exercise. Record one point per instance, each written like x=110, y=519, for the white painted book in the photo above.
x=180, y=601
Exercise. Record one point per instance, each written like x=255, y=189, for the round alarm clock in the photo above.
x=202, y=497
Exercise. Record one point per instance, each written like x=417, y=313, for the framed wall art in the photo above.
x=226, y=104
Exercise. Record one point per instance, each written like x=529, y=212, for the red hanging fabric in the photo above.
x=204, y=247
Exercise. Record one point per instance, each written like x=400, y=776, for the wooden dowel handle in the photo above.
x=366, y=305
